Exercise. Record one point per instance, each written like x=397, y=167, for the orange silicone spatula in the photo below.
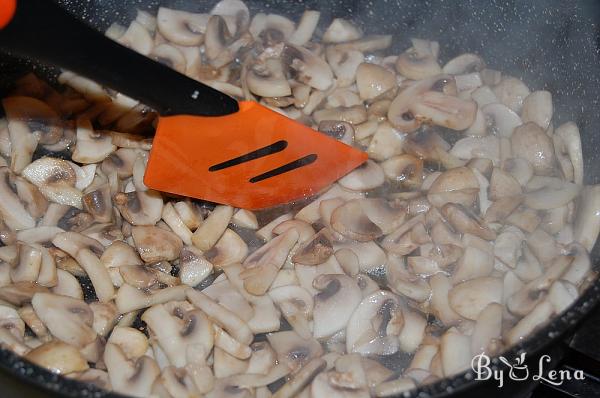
x=207, y=145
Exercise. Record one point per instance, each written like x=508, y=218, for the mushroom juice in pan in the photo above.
x=468, y=228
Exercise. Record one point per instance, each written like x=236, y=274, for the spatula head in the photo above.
x=252, y=159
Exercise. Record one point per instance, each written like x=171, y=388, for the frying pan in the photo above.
x=549, y=44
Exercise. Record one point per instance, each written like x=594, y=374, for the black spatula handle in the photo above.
x=42, y=30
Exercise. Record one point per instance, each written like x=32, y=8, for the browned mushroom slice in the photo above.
x=373, y=80
x=316, y=251
x=58, y=357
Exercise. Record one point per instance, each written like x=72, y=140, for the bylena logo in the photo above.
x=519, y=371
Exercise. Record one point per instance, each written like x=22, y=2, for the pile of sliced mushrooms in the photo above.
x=468, y=228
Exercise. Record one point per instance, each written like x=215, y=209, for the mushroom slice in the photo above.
x=235, y=326
x=56, y=179
x=511, y=92
x=91, y=146
x=144, y=277
x=315, y=251
x=172, y=219
x=128, y=376
x=340, y=31
x=531, y=143
x=375, y=325
x=28, y=315
x=445, y=110
x=507, y=247
x=181, y=27
x=502, y=185
x=156, y=244
x=272, y=27
x=28, y=267
x=306, y=67
x=35, y=203
x=67, y=285
x=245, y=219
x=212, y=228
x=469, y=298
x=474, y=263
x=373, y=80
x=22, y=145
x=405, y=169
x=356, y=114
x=267, y=79
x=568, y=139
x=140, y=207
x=21, y=292
x=370, y=255
x=399, y=112
x=37, y=116
x=301, y=379
x=68, y=319
x=538, y=316
x=555, y=194
x=464, y=221
x=500, y=120
x=401, y=282
x=468, y=148
x=137, y=38
x=129, y=298
x=12, y=210
x=292, y=350
x=344, y=64
x=464, y=63
x=455, y=350
x=587, y=220
x=193, y=267
x=231, y=248
x=537, y=108
x=98, y=203
x=335, y=303
x=58, y=357
x=366, y=177
x=458, y=185
x=121, y=162
x=306, y=28
x=342, y=131
x=488, y=329
x=366, y=219
x=261, y=267
x=169, y=55
x=296, y=305
x=419, y=61
x=179, y=330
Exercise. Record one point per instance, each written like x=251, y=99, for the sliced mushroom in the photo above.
x=464, y=63
x=179, y=330
x=375, y=325
x=458, y=185
x=306, y=28
x=315, y=251
x=455, y=351
x=567, y=139
x=58, y=357
x=292, y=350
x=373, y=80
x=193, y=267
x=212, y=228
x=230, y=249
x=261, y=266
x=471, y=297
x=537, y=108
x=531, y=143
x=91, y=146
x=181, y=27
x=296, y=305
x=366, y=219
x=511, y=92
x=68, y=319
x=128, y=376
x=419, y=61
x=306, y=67
x=587, y=221
x=335, y=303
x=500, y=120
x=156, y=244
x=465, y=221
x=539, y=315
x=56, y=180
